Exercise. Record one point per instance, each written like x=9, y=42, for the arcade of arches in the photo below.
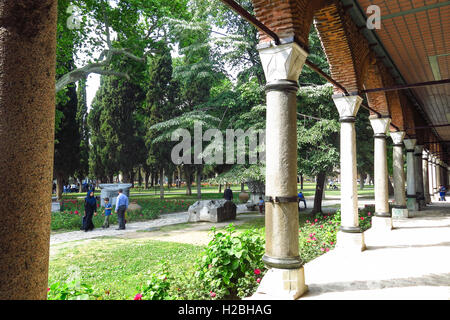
x=359, y=58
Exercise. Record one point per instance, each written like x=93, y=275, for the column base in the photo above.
x=350, y=241
x=427, y=198
x=411, y=204
x=381, y=223
x=399, y=213
x=281, y=284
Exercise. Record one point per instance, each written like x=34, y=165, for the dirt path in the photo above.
x=191, y=233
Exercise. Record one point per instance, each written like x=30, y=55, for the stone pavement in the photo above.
x=410, y=262
x=163, y=220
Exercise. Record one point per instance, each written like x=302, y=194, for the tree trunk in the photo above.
x=362, y=180
x=187, y=173
x=242, y=186
x=301, y=181
x=27, y=123
x=199, y=182
x=220, y=188
x=161, y=183
x=146, y=177
x=59, y=186
x=139, y=177
x=319, y=193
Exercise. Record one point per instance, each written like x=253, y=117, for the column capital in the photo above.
x=380, y=125
x=397, y=137
x=418, y=149
x=282, y=62
x=410, y=144
x=347, y=106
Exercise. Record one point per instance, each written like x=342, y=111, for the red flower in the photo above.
x=76, y=211
x=138, y=296
x=48, y=289
x=362, y=218
x=212, y=294
x=321, y=227
x=258, y=280
x=315, y=220
x=257, y=271
x=369, y=214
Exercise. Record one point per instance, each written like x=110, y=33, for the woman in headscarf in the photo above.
x=90, y=207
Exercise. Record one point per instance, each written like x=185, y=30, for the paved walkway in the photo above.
x=163, y=220
x=410, y=262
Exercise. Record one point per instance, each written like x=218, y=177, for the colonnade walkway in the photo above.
x=412, y=261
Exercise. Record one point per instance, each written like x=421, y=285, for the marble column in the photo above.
x=438, y=178
x=411, y=198
x=285, y=279
x=430, y=176
x=382, y=219
x=435, y=194
x=399, y=209
x=349, y=237
x=418, y=150
x=27, y=123
x=426, y=182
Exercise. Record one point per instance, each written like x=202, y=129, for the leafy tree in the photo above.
x=67, y=141
x=81, y=119
x=160, y=106
x=136, y=24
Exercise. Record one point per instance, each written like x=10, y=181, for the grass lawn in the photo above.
x=120, y=265
x=211, y=192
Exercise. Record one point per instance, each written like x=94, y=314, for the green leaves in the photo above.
x=227, y=265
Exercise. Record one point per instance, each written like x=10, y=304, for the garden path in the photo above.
x=411, y=262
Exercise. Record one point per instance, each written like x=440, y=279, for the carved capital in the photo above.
x=282, y=62
x=397, y=137
x=380, y=125
x=347, y=106
x=410, y=143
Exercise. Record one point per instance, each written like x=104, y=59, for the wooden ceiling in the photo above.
x=416, y=37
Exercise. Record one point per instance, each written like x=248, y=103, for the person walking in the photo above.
x=301, y=198
x=228, y=194
x=90, y=209
x=121, y=207
x=442, y=192
x=108, y=208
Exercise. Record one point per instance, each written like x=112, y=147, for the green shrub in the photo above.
x=72, y=290
x=157, y=287
x=231, y=266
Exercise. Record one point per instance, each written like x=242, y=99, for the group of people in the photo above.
x=228, y=195
x=90, y=210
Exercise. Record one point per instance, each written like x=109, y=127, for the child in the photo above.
x=108, y=208
x=261, y=205
x=301, y=198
